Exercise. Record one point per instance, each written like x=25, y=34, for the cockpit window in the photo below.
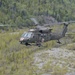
x=27, y=34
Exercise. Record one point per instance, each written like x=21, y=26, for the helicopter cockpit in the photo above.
x=27, y=35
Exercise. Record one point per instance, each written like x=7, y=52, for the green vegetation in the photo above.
x=18, y=12
x=54, y=69
x=16, y=59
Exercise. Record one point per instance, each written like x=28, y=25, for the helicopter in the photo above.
x=43, y=33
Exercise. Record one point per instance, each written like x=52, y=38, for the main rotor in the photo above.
x=38, y=25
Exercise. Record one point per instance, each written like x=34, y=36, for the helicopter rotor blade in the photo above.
x=35, y=21
x=70, y=33
x=1, y=25
x=66, y=23
x=4, y=25
x=60, y=23
x=51, y=24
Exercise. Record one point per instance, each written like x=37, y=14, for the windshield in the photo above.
x=27, y=34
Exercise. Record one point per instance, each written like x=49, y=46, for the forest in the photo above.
x=18, y=12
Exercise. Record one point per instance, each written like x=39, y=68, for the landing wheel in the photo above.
x=58, y=42
x=38, y=44
x=27, y=44
x=21, y=42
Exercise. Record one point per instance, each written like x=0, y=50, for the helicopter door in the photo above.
x=37, y=38
x=45, y=36
x=48, y=37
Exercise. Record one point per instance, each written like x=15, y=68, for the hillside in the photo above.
x=18, y=12
x=49, y=59
x=55, y=61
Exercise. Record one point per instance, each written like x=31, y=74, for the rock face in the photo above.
x=56, y=61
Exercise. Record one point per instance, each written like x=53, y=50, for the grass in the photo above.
x=16, y=59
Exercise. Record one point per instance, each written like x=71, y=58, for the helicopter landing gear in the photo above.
x=38, y=44
x=58, y=42
x=21, y=42
x=27, y=44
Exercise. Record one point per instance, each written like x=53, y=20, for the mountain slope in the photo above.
x=17, y=12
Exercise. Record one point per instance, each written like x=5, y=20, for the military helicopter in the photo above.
x=43, y=33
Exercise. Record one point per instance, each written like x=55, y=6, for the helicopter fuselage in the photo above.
x=42, y=35
x=35, y=37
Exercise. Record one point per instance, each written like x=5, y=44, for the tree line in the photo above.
x=18, y=12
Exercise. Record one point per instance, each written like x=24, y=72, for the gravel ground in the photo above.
x=56, y=56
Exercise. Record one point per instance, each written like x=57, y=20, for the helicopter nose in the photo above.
x=24, y=39
x=21, y=39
